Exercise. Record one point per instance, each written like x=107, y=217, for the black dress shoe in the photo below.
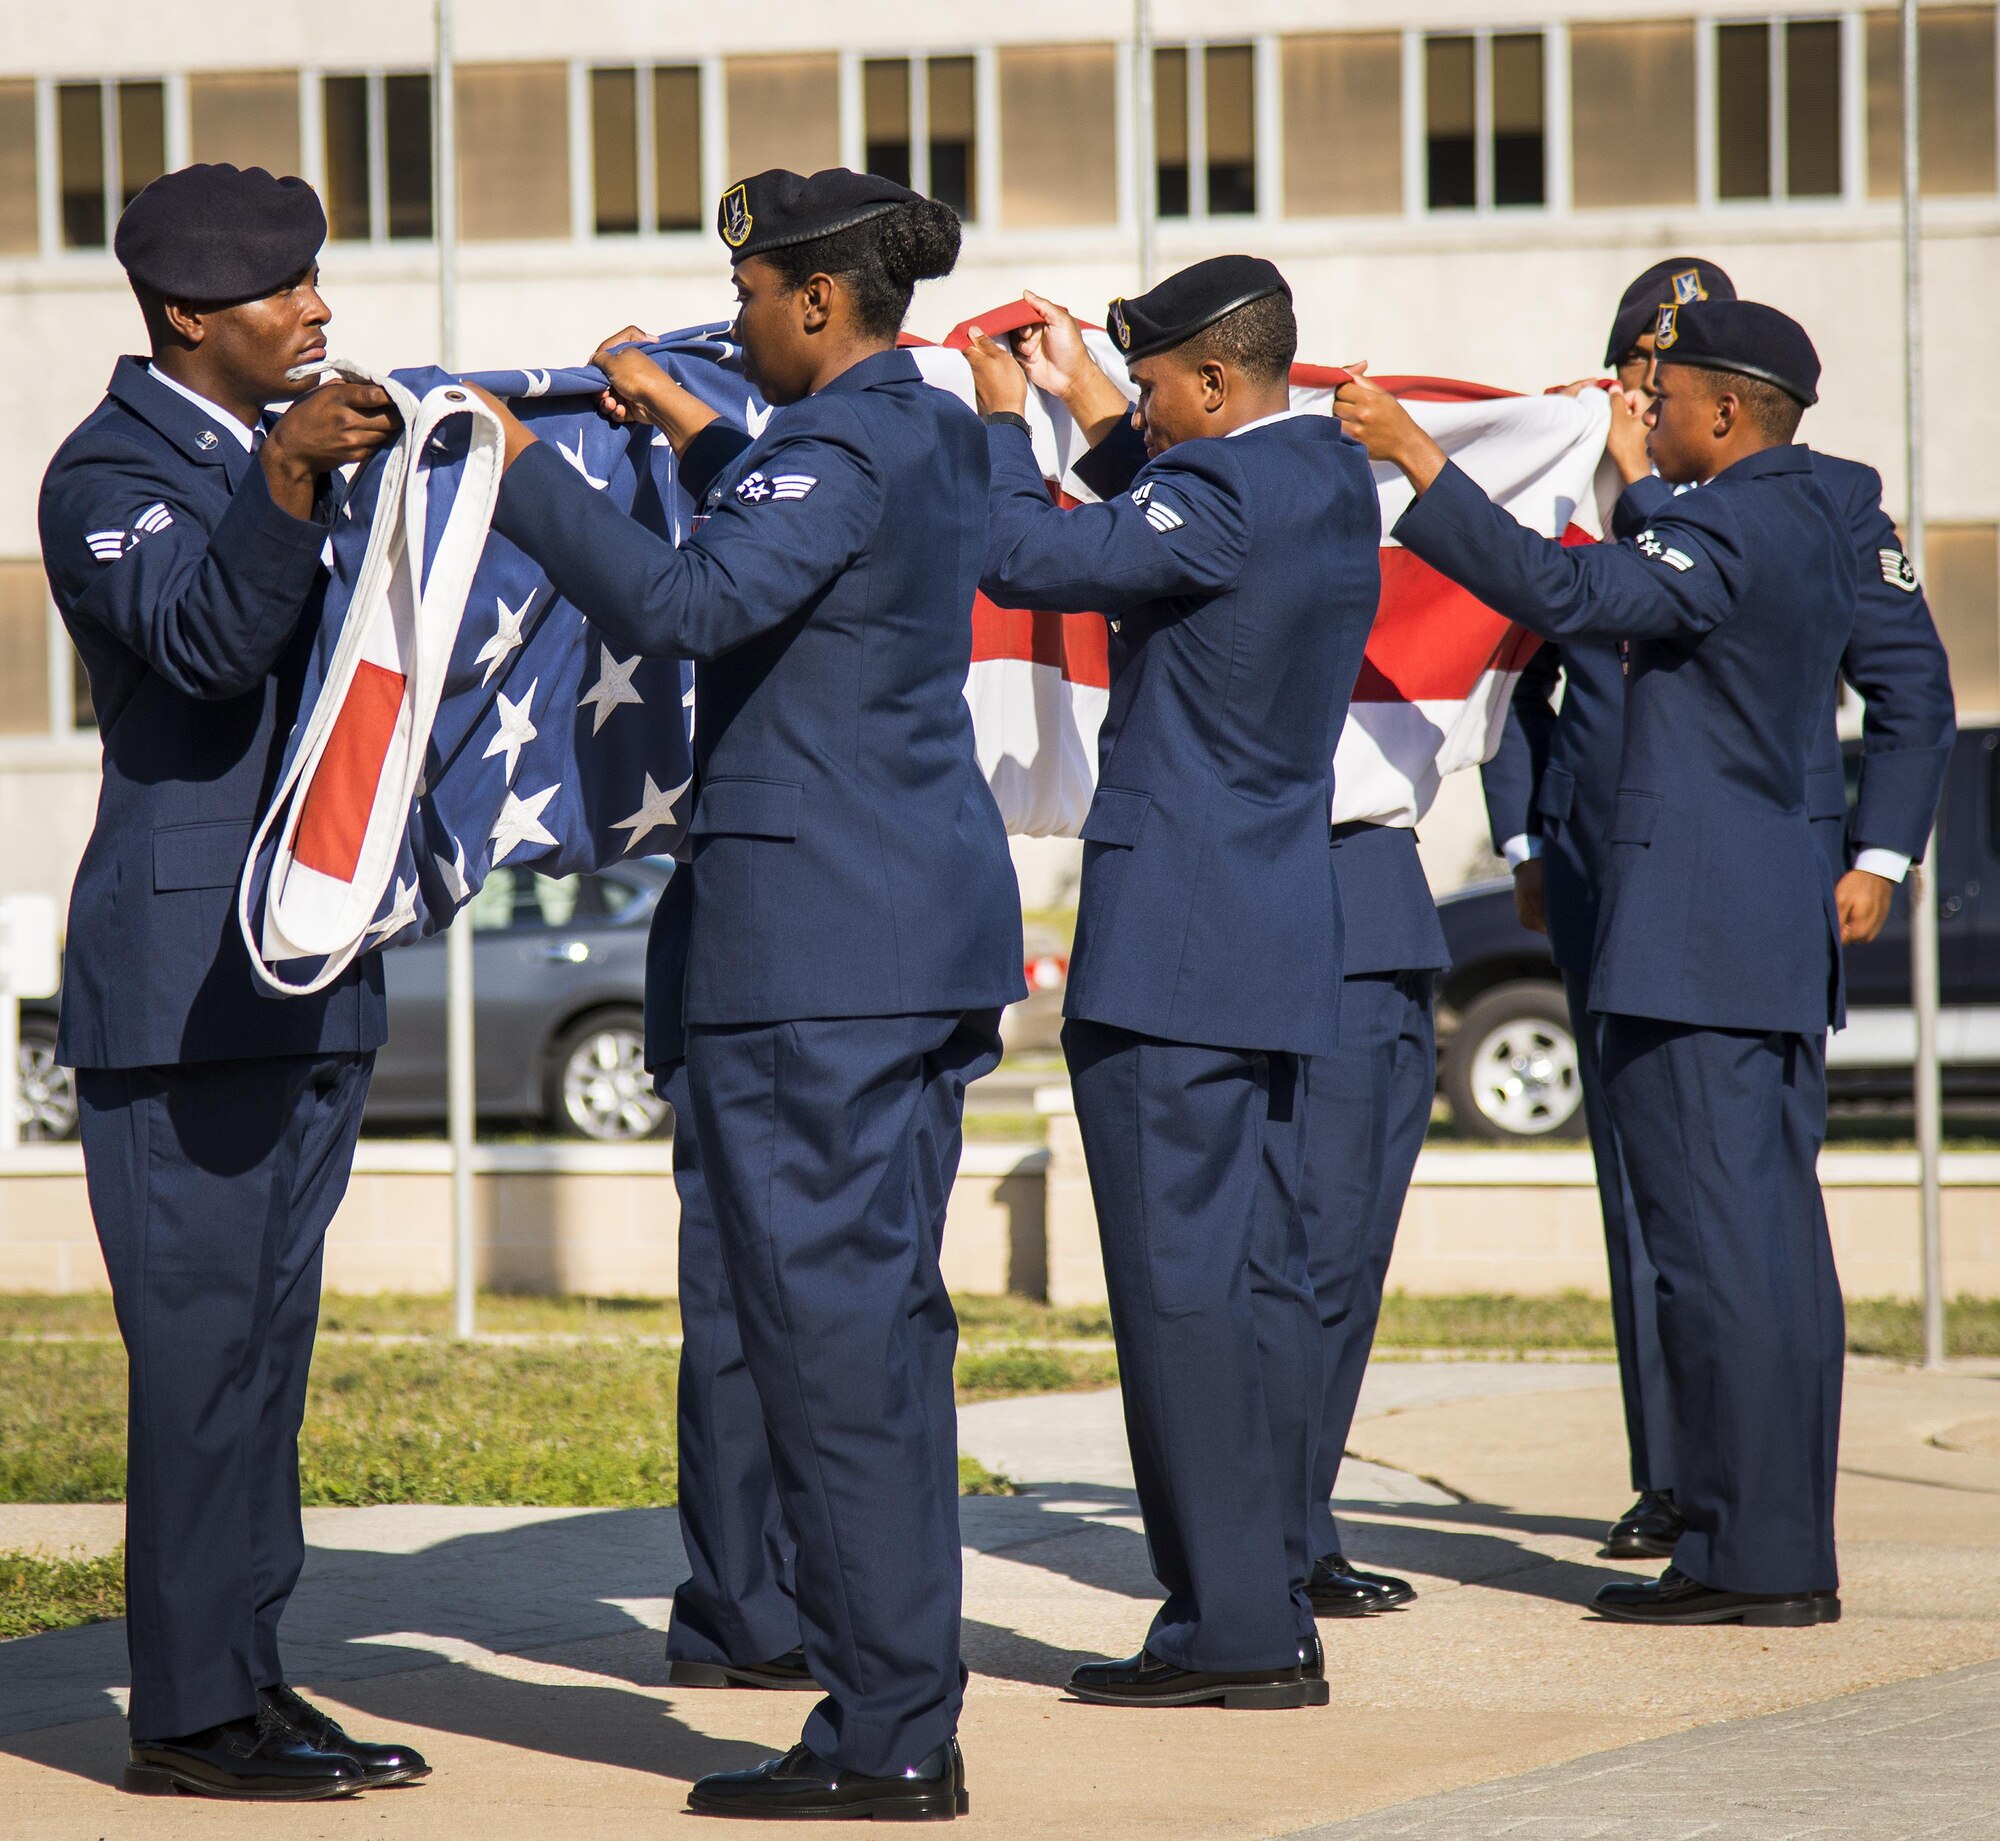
x=1647, y=1530
x=382, y=1765
x=786, y=1672
x=1674, y=1598
x=258, y=1758
x=1312, y=1658
x=1144, y=1681
x=804, y=1787
x=1338, y=1590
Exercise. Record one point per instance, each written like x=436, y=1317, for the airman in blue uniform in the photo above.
x=1240, y=573
x=855, y=928
x=1716, y=968
x=182, y=540
x=1550, y=791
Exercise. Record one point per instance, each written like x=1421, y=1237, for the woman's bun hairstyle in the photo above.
x=879, y=261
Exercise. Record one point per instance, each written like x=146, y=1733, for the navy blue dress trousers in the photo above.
x=1240, y=576
x=218, y=1119
x=854, y=931
x=1368, y=1106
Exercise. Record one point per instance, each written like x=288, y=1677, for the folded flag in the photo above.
x=459, y=714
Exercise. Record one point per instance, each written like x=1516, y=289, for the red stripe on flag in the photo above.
x=335, y=819
x=1433, y=639
x=1076, y=644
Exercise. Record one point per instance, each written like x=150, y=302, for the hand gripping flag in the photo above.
x=458, y=714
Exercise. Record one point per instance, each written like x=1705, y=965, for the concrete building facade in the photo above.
x=1458, y=187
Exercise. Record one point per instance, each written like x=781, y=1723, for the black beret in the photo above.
x=1182, y=305
x=217, y=234
x=1744, y=336
x=777, y=208
x=1676, y=282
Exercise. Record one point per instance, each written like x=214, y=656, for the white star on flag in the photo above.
x=515, y=731
x=520, y=822
x=453, y=873
x=401, y=913
x=655, y=809
x=507, y=636
x=613, y=686
x=575, y=459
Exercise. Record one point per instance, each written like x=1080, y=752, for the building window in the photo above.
x=939, y=158
x=247, y=118
x=783, y=112
x=513, y=151
x=1058, y=135
x=614, y=151
x=953, y=134
x=1955, y=58
x=1172, y=194
x=1343, y=124
x=19, y=229
x=885, y=117
x=24, y=649
x=1485, y=121
x=1632, y=114
x=1962, y=584
x=378, y=155
x=1450, y=115
x=678, y=200
x=1520, y=165
x=111, y=141
x=1230, y=115
x=1755, y=64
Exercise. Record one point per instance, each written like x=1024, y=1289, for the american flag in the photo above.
x=459, y=714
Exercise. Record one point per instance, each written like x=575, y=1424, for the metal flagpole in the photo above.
x=1145, y=134
x=1923, y=891
x=459, y=1063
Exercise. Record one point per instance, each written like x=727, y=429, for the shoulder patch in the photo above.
x=760, y=488
x=1897, y=570
x=1649, y=544
x=107, y=546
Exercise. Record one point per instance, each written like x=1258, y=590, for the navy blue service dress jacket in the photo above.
x=847, y=857
x=1556, y=774
x=1208, y=912
x=193, y=600
x=1736, y=603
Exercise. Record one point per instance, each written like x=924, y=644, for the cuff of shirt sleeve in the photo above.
x=1521, y=848
x=707, y=454
x=1890, y=865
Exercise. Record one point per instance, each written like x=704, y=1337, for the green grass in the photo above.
x=43, y=1594
x=999, y=1374
x=1568, y=1321
x=974, y=1479
x=1879, y=1327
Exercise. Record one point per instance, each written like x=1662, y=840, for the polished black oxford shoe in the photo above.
x=785, y=1673
x=258, y=1758
x=383, y=1766
x=804, y=1787
x=1144, y=1681
x=1674, y=1598
x=1339, y=1590
x=1647, y=1530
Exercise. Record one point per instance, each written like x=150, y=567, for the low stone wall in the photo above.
x=588, y=1219
x=604, y=1222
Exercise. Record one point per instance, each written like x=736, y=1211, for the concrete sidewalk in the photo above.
x=520, y=1648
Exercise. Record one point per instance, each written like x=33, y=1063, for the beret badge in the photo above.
x=1665, y=329
x=736, y=219
x=1121, y=328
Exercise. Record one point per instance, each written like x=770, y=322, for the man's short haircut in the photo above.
x=1260, y=340
x=1775, y=413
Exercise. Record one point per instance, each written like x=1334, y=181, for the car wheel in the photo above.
x=598, y=1085
x=48, y=1089
x=1510, y=1071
